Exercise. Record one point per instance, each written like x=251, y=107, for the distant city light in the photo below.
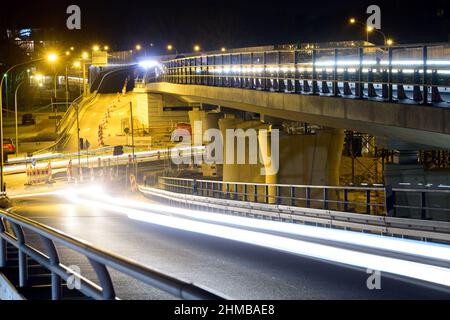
x=138, y=47
x=96, y=48
x=196, y=48
x=223, y=49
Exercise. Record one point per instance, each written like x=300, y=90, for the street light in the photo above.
x=370, y=29
x=95, y=48
x=223, y=49
x=106, y=48
x=52, y=57
x=17, y=122
x=2, y=186
x=197, y=48
x=138, y=47
x=169, y=47
x=84, y=57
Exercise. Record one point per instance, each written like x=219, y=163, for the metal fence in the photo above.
x=12, y=231
x=419, y=202
x=415, y=72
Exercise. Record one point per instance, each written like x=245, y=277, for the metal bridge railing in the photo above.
x=12, y=231
x=366, y=200
x=418, y=73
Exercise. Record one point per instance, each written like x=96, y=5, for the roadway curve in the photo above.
x=239, y=270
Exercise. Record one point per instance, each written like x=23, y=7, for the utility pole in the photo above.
x=132, y=136
x=78, y=138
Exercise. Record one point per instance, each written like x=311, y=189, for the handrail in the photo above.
x=99, y=259
x=424, y=229
x=383, y=200
x=406, y=46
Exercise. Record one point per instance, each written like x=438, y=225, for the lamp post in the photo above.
x=369, y=29
x=2, y=185
x=16, y=112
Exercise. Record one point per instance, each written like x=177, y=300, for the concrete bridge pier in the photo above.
x=304, y=159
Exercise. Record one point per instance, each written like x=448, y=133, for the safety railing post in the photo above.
x=255, y=192
x=104, y=278
x=335, y=74
x=264, y=72
x=368, y=206
x=297, y=87
x=22, y=261
x=314, y=73
x=308, y=197
x=423, y=205
x=228, y=191
x=267, y=193
x=293, y=202
x=325, y=199
x=194, y=187
x=236, y=192
x=425, y=75
x=245, y=192
x=278, y=195
x=390, y=88
x=3, y=247
x=360, y=85
x=346, y=200
x=54, y=261
x=389, y=198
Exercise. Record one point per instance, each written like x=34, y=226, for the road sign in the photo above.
x=99, y=58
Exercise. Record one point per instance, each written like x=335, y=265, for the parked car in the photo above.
x=28, y=119
x=8, y=148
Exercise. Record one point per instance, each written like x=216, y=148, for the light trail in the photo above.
x=414, y=270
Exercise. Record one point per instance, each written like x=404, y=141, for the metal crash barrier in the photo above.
x=12, y=228
x=367, y=209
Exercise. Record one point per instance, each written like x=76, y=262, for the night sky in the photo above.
x=229, y=23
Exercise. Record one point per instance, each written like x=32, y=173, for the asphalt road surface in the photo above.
x=238, y=270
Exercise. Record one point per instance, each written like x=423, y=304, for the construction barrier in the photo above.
x=39, y=175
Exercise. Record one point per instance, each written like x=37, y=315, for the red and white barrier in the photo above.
x=39, y=175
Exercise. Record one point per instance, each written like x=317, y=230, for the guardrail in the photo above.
x=98, y=258
x=368, y=71
x=378, y=224
x=366, y=200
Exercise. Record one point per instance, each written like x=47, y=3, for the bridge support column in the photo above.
x=311, y=159
x=247, y=172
